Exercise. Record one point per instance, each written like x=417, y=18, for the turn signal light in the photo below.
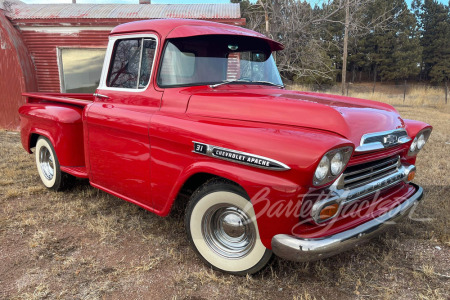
x=328, y=211
x=411, y=175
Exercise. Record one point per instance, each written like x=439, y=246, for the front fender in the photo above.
x=413, y=127
x=268, y=193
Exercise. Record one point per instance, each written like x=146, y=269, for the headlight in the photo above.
x=337, y=164
x=331, y=165
x=419, y=141
x=413, y=145
x=323, y=168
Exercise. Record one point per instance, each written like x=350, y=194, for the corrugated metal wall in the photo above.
x=212, y=11
x=16, y=74
x=43, y=50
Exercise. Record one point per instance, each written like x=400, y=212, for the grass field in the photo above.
x=86, y=244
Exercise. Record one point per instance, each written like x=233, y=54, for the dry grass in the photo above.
x=86, y=244
x=416, y=95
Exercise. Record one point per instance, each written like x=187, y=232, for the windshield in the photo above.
x=212, y=60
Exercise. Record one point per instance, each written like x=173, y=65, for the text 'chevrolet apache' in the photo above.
x=195, y=113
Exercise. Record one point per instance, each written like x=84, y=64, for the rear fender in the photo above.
x=61, y=124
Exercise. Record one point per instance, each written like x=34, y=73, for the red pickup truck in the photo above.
x=197, y=110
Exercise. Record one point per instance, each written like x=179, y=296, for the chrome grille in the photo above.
x=363, y=174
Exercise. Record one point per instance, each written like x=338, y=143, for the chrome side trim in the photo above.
x=390, y=138
x=239, y=157
x=303, y=250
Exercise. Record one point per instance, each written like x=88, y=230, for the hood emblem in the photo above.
x=380, y=140
x=390, y=139
x=239, y=157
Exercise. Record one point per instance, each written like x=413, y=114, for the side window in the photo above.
x=131, y=63
x=148, y=53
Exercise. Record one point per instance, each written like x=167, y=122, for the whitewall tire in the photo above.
x=221, y=226
x=48, y=165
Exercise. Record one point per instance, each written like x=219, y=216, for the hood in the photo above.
x=348, y=117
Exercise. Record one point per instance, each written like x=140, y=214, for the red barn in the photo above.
x=60, y=48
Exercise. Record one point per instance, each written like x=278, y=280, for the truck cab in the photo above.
x=196, y=112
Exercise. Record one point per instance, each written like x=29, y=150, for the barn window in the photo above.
x=80, y=69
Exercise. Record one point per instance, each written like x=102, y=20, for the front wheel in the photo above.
x=221, y=226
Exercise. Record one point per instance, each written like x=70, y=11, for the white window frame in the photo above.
x=61, y=66
x=108, y=57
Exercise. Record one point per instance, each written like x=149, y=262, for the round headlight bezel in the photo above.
x=423, y=136
x=345, y=153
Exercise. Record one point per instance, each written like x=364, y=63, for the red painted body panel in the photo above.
x=348, y=117
x=139, y=145
x=165, y=26
x=119, y=144
x=61, y=124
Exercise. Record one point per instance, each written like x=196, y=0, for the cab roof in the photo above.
x=178, y=28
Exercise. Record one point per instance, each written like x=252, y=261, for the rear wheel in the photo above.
x=48, y=165
x=221, y=226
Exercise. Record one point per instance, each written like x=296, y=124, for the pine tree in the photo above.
x=435, y=27
x=396, y=47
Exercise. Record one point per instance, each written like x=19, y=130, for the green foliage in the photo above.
x=434, y=20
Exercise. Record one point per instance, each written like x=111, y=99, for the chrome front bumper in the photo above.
x=302, y=250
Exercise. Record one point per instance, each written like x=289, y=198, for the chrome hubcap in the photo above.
x=228, y=231
x=46, y=163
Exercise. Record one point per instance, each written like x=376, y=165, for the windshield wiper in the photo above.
x=243, y=80
x=228, y=81
x=267, y=82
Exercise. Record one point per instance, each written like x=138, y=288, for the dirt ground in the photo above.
x=86, y=244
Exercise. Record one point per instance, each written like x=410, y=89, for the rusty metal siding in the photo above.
x=125, y=11
x=43, y=49
x=16, y=74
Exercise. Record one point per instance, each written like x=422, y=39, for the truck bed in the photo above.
x=67, y=98
x=58, y=117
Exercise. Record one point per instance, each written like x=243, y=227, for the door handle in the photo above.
x=101, y=96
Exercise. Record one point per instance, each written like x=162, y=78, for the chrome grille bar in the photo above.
x=368, y=172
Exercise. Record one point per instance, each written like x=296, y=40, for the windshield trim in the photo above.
x=196, y=84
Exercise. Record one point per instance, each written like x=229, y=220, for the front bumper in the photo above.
x=302, y=250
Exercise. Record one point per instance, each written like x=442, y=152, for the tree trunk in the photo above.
x=404, y=92
x=374, y=79
x=344, y=54
x=266, y=16
x=446, y=91
x=353, y=73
